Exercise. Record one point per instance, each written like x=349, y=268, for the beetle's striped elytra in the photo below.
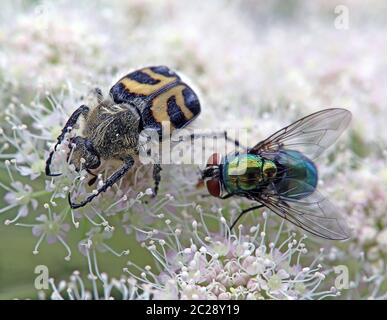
x=159, y=95
x=146, y=82
x=176, y=111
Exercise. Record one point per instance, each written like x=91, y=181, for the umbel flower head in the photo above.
x=222, y=265
x=231, y=264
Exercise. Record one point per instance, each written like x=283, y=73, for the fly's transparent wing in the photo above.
x=310, y=135
x=308, y=209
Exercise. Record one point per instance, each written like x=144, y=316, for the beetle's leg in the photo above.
x=219, y=134
x=156, y=177
x=128, y=163
x=99, y=95
x=92, y=180
x=68, y=126
x=243, y=212
x=234, y=141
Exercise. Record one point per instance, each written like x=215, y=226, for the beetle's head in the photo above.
x=211, y=175
x=83, y=154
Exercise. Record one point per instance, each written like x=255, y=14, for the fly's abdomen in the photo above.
x=297, y=176
x=242, y=173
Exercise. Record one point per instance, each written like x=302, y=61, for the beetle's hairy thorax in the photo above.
x=113, y=129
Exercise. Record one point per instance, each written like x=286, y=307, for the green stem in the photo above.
x=40, y=193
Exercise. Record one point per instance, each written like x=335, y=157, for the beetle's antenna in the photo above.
x=68, y=126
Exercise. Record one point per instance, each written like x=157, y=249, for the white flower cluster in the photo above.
x=232, y=265
x=102, y=288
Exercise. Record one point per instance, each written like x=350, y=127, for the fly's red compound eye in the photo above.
x=214, y=160
x=213, y=183
x=213, y=187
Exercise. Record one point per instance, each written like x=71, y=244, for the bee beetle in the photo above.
x=142, y=99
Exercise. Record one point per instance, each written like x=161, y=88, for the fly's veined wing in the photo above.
x=313, y=213
x=310, y=135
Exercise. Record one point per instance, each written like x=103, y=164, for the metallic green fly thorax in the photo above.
x=246, y=172
x=288, y=171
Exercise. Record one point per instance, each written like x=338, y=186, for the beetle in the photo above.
x=110, y=130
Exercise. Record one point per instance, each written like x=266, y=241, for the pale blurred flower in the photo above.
x=51, y=227
x=21, y=196
x=382, y=240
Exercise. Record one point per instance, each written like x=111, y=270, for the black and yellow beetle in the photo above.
x=142, y=99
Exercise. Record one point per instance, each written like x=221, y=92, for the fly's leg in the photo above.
x=156, y=177
x=243, y=212
x=116, y=176
x=223, y=197
x=82, y=110
x=226, y=196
